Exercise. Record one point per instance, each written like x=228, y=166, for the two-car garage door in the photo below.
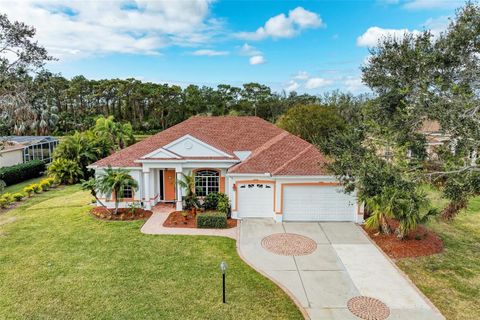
x=299, y=202
x=317, y=203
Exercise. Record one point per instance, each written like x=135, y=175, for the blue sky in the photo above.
x=307, y=46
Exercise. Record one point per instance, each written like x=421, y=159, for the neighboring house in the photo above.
x=20, y=149
x=434, y=136
x=265, y=171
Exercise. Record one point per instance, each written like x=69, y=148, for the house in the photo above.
x=434, y=135
x=20, y=149
x=265, y=171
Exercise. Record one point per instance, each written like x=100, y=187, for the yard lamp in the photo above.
x=223, y=267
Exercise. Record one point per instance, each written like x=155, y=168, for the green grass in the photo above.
x=58, y=262
x=451, y=280
x=19, y=186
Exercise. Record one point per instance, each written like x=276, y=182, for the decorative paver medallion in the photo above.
x=289, y=244
x=368, y=308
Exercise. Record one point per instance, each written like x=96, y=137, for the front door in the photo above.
x=169, y=184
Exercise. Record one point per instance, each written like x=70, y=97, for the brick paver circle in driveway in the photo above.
x=289, y=244
x=368, y=308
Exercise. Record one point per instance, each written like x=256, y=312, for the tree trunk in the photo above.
x=384, y=226
x=453, y=208
x=116, y=203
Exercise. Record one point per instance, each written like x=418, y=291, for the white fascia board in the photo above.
x=171, y=154
x=183, y=161
x=249, y=174
x=105, y=167
x=206, y=145
x=306, y=177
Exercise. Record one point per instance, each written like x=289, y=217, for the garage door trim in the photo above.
x=238, y=183
x=293, y=184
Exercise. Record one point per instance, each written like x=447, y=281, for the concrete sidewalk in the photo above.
x=344, y=265
x=154, y=225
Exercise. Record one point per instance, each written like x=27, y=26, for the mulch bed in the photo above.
x=124, y=214
x=420, y=242
x=176, y=220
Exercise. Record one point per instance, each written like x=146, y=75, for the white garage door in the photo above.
x=255, y=200
x=317, y=203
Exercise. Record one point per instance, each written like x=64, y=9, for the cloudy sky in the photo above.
x=307, y=46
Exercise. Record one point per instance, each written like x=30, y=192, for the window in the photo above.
x=206, y=181
x=127, y=193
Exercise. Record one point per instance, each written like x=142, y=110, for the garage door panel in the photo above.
x=255, y=200
x=317, y=203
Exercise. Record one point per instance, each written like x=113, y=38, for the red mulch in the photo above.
x=176, y=220
x=123, y=214
x=420, y=242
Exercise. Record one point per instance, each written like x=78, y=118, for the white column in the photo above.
x=146, y=189
x=179, y=193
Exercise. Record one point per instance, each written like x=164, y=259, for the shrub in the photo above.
x=18, y=196
x=36, y=188
x=8, y=196
x=45, y=184
x=28, y=190
x=217, y=201
x=212, y=219
x=65, y=171
x=4, y=202
x=21, y=172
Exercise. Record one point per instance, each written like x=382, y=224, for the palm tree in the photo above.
x=381, y=207
x=114, y=181
x=91, y=185
x=188, y=183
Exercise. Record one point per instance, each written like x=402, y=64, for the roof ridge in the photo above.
x=293, y=159
x=270, y=143
x=262, y=148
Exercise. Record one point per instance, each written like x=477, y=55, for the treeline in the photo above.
x=61, y=106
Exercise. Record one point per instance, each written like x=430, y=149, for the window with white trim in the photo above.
x=127, y=193
x=207, y=181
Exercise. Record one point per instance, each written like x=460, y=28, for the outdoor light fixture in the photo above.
x=223, y=267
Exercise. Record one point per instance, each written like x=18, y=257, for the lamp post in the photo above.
x=223, y=267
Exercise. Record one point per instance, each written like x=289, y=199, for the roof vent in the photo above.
x=242, y=155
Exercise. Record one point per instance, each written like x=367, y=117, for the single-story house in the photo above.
x=265, y=171
x=21, y=149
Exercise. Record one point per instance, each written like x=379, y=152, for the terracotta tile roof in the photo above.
x=273, y=150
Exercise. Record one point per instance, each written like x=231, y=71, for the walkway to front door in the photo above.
x=343, y=264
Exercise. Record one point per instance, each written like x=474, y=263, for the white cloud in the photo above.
x=355, y=85
x=433, y=4
x=371, y=37
x=285, y=26
x=292, y=86
x=314, y=83
x=301, y=75
x=437, y=25
x=210, y=53
x=80, y=28
x=248, y=50
x=257, y=60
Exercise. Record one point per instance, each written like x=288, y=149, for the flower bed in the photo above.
x=176, y=220
x=421, y=242
x=124, y=214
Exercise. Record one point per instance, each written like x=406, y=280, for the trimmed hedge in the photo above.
x=212, y=220
x=21, y=172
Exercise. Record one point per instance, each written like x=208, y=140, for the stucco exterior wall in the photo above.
x=11, y=157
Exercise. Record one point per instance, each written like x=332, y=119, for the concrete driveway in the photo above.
x=344, y=265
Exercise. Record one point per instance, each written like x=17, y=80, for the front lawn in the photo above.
x=58, y=262
x=451, y=280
